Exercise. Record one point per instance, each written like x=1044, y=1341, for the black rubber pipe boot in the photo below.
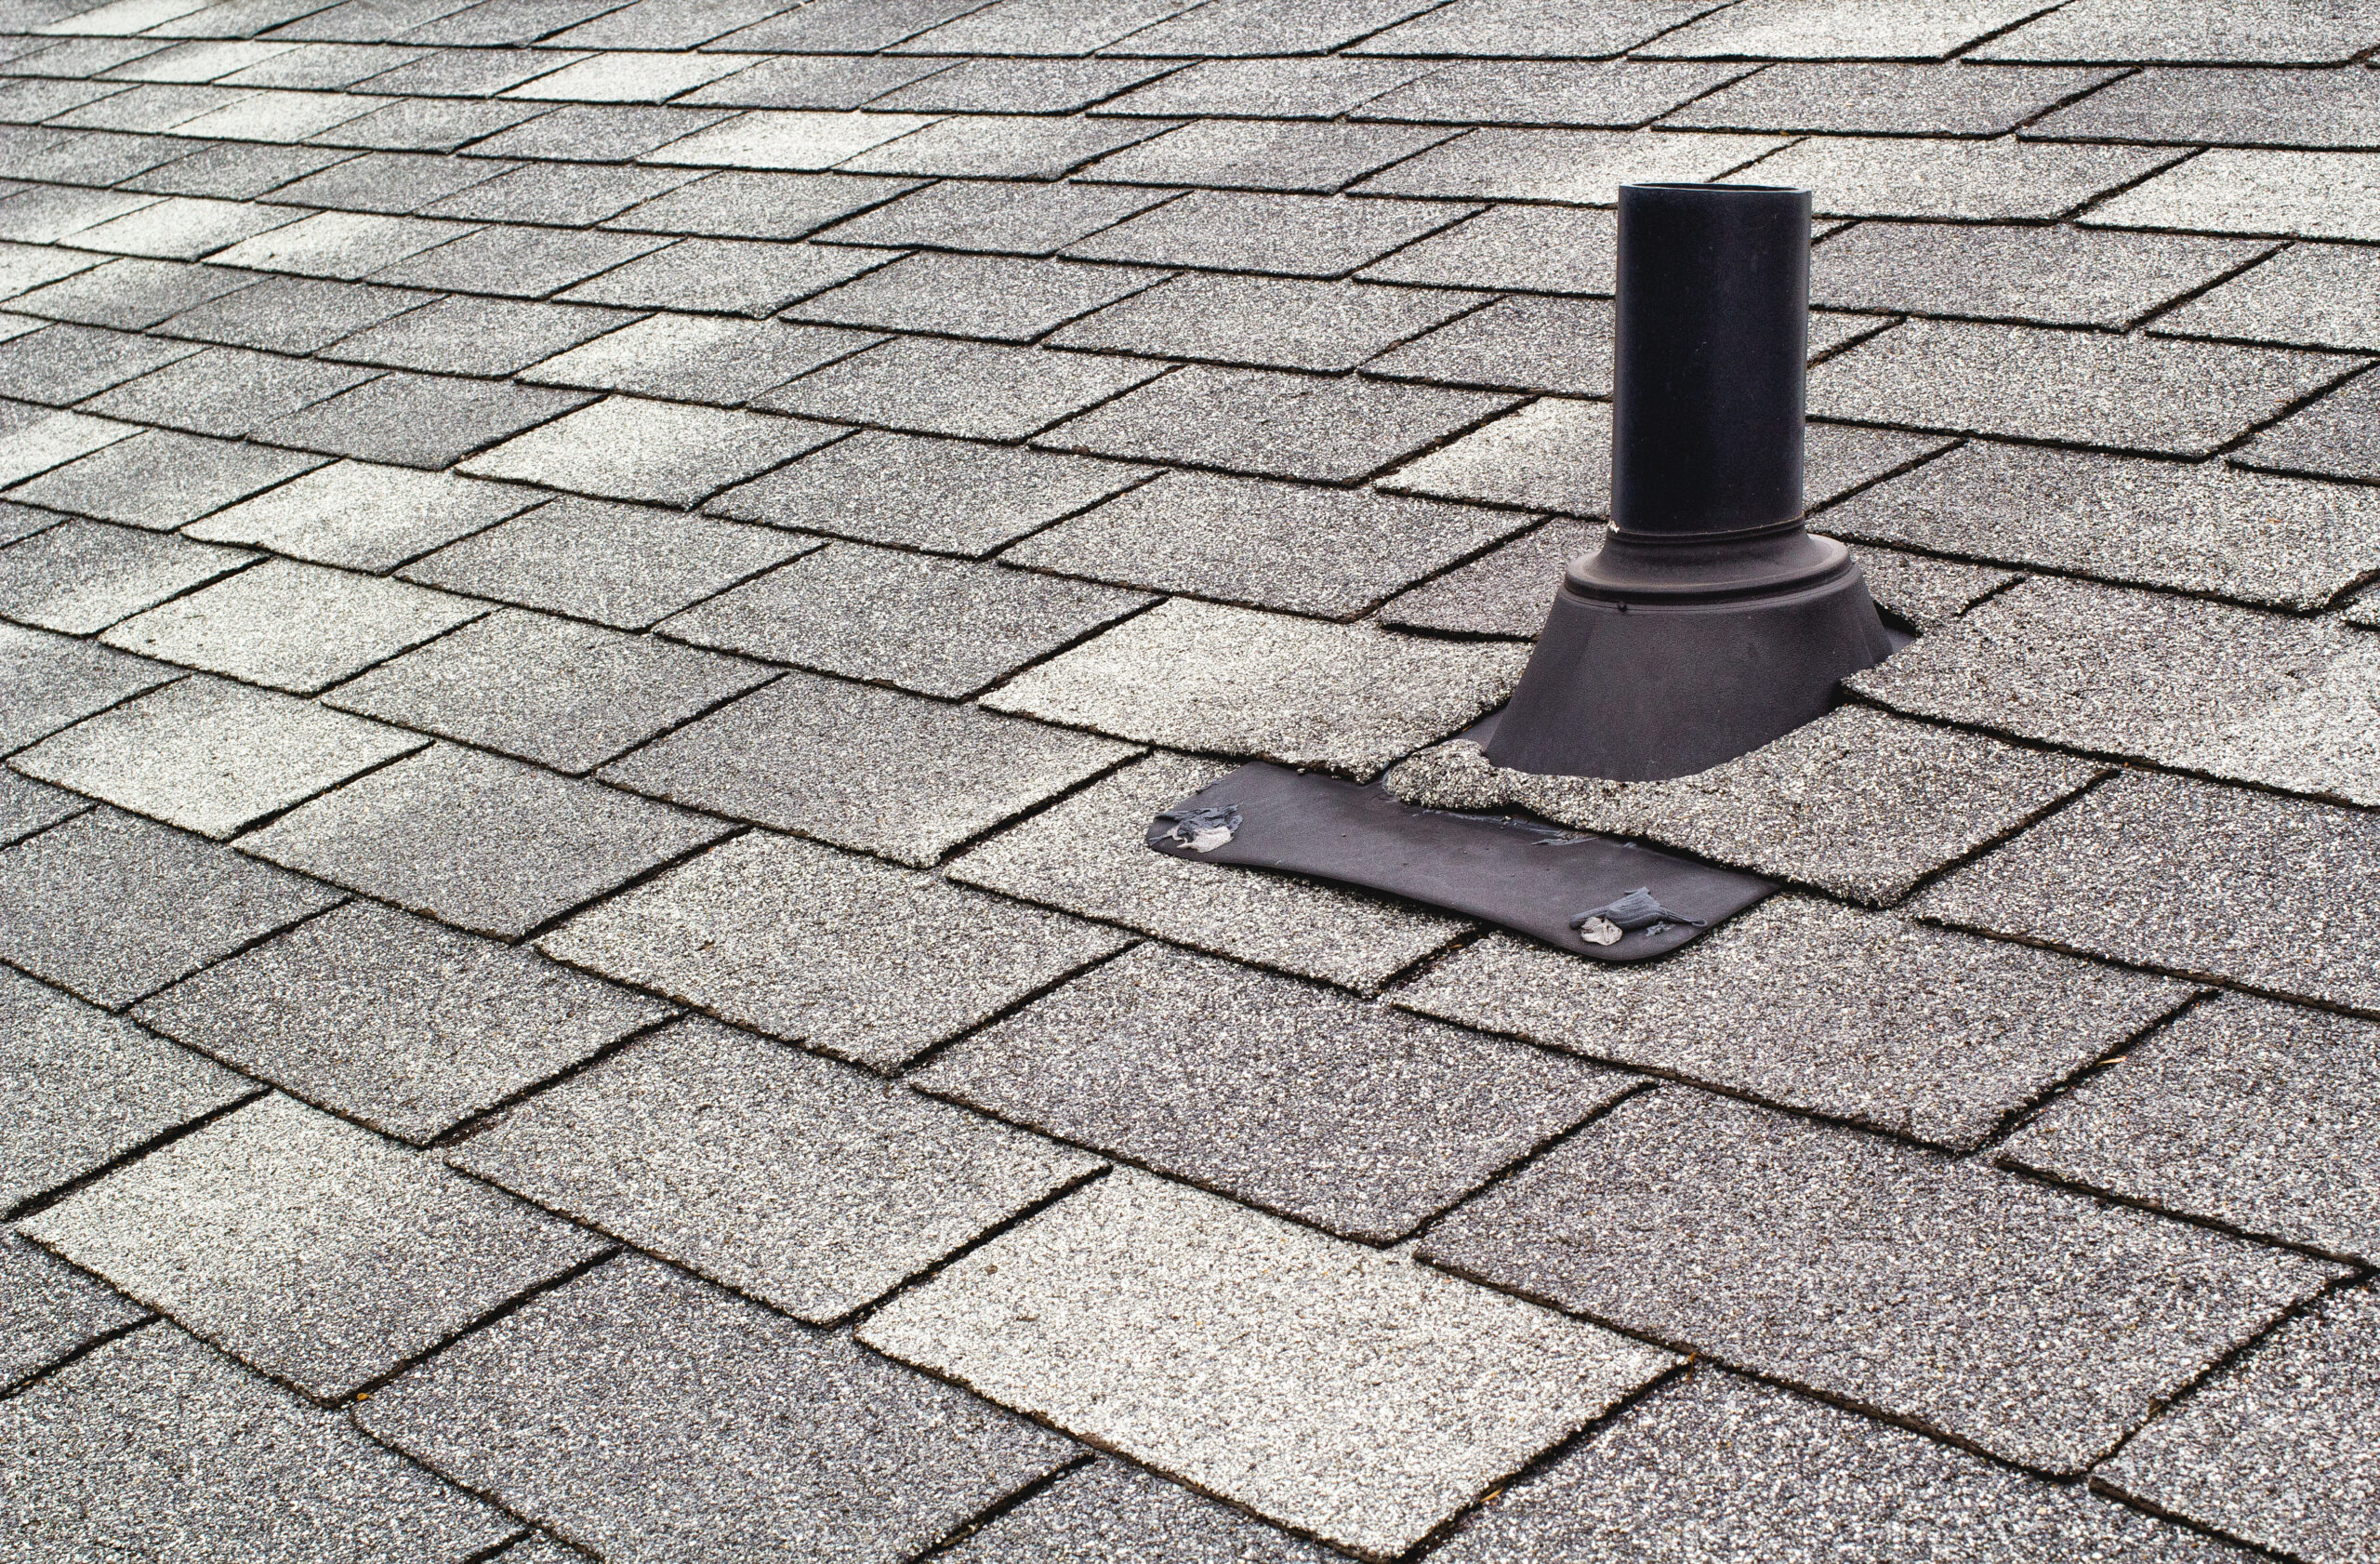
x=1708, y=622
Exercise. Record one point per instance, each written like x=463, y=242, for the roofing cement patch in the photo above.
x=1320, y=1384
x=2037, y=1326
x=1810, y=1005
x=809, y=1185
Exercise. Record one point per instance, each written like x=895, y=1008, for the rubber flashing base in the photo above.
x=1534, y=879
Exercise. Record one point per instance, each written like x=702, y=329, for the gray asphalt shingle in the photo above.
x=913, y=960
x=822, y=1187
x=307, y=1247
x=1318, y=1383
x=820, y=757
x=395, y=1021
x=97, y=1457
x=1818, y=1007
x=1694, y=1220
x=661, y=1408
x=487, y=844
x=1292, y=1099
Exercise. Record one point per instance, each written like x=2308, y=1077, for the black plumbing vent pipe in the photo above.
x=1708, y=622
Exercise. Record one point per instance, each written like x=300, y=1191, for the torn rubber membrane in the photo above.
x=1566, y=889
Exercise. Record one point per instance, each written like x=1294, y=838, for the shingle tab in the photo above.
x=823, y=758
x=1531, y=249
x=1089, y=855
x=2276, y=1450
x=946, y=628
x=1273, y=425
x=942, y=496
x=1696, y=1220
x=658, y=1410
x=50, y=1312
x=2309, y=296
x=1321, y=1385
x=1877, y=100
x=626, y=448
x=849, y=955
x=2157, y=395
x=363, y=516
x=1322, y=88
x=1822, y=1009
x=1351, y=1118
x=2259, y=697
x=292, y=627
x=1549, y=29
x=1326, y=552
x=50, y=681
x=821, y=1188
x=1534, y=344
x=1843, y=29
x=395, y=1021
x=111, y=909
x=81, y=577
x=563, y=695
x=485, y=844
x=1577, y=168
x=2204, y=528
x=988, y=297
x=1265, y=154
x=2243, y=1113
x=160, y=480
x=2148, y=31
x=1854, y=803
x=1969, y=181
x=2261, y=108
x=1348, y=698
x=727, y=276
x=102, y=1451
x=1000, y=217
x=1753, y=1473
x=623, y=565
x=1289, y=236
x=1265, y=322
x=311, y=1250
x=1611, y=95
x=2042, y=276
x=1004, y=147
x=2178, y=876
x=977, y=391
x=2305, y=195
x=2334, y=438
x=85, y=1088
x=1110, y=1509
x=785, y=139
x=739, y=206
x=211, y=756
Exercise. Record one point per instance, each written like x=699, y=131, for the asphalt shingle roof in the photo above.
x=595, y=599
